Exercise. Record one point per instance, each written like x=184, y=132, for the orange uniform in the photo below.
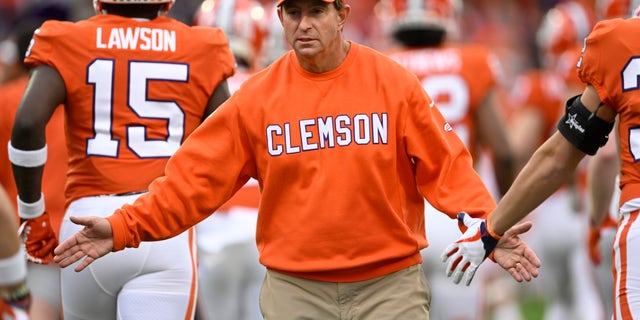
x=55, y=171
x=463, y=80
x=457, y=77
x=118, y=143
x=544, y=91
x=344, y=160
x=610, y=63
x=135, y=89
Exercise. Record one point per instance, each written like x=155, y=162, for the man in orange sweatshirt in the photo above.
x=345, y=145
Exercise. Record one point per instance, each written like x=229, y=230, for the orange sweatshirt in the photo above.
x=344, y=160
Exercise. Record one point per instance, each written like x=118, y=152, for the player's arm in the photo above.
x=28, y=155
x=581, y=131
x=526, y=128
x=220, y=95
x=602, y=170
x=555, y=161
x=492, y=133
x=44, y=92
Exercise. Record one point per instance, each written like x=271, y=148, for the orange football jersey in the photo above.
x=543, y=90
x=610, y=62
x=457, y=77
x=135, y=90
x=55, y=170
x=344, y=160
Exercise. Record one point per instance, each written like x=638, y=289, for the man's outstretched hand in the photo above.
x=464, y=256
x=515, y=256
x=92, y=242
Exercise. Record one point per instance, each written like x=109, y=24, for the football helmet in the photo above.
x=254, y=31
x=610, y=9
x=563, y=28
x=97, y=4
x=423, y=22
x=239, y=19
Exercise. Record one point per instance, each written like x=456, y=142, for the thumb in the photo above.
x=519, y=228
x=85, y=221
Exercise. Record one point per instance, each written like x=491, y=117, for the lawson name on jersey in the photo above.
x=329, y=132
x=136, y=38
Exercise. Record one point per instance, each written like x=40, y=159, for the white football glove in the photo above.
x=464, y=256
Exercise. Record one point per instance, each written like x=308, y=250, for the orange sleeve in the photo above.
x=327, y=211
x=456, y=186
x=591, y=61
x=186, y=193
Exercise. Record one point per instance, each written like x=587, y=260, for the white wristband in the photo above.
x=13, y=269
x=27, y=158
x=31, y=210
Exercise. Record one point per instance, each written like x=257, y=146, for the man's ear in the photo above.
x=343, y=14
x=279, y=10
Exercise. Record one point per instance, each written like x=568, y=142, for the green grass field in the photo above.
x=532, y=309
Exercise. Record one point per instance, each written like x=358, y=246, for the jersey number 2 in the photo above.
x=630, y=82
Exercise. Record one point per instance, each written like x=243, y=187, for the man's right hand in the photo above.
x=92, y=242
x=464, y=256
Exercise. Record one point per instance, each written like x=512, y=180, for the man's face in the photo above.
x=311, y=27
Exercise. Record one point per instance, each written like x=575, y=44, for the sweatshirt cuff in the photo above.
x=118, y=230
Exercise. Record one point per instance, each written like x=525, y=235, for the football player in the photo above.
x=464, y=81
x=607, y=66
x=134, y=84
x=567, y=284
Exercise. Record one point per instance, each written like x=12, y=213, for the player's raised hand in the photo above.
x=92, y=242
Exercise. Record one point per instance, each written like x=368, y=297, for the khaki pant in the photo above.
x=402, y=295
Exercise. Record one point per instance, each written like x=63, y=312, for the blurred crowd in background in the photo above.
x=507, y=26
